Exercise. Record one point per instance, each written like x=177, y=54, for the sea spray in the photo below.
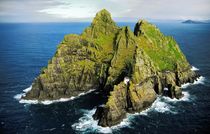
x=87, y=124
x=199, y=80
x=186, y=97
x=46, y=102
x=162, y=104
x=194, y=68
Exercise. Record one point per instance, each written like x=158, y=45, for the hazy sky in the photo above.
x=84, y=10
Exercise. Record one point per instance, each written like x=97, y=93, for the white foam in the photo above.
x=88, y=124
x=199, y=80
x=185, y=85
x=159, y=105
x=194, y=68
x=18, y=96
x=186, y=97
x=27, y=89
x=45, y=102
x=162, y=105
x=29, y=101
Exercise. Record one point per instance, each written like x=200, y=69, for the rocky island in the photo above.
x=131, y=67
x=194, y=22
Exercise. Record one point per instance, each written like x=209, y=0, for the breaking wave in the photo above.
x=186, y=97
x=162, y=104
x=45, y=102
x=18, y=96
x=194, y=68
x=199, y=80
x=159, y=105
x=87, y=124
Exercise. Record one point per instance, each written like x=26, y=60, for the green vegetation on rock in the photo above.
x=101, y=25
x=123, y=60
x=163, y=50
x=106, y=56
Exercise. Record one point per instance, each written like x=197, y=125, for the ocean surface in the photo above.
x=26, y=47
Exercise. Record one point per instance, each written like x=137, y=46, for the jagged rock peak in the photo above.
x=137, y=28
x=103, y=16
x=141, y=25
x=101, y=24
x=103, y=56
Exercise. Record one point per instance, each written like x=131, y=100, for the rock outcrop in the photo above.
x=156, y=63
x=80, y=63
x=134, y=67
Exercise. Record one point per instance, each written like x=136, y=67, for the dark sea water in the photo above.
x=26, y=48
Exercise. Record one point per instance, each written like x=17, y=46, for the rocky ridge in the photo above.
x=103, y=56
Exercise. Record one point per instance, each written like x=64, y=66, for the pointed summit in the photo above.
x=146, y=28
x=103, y=16
x=140, y=26
x=102, y=24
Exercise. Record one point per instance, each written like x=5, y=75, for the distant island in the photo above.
x=130, y=67
x=195, y=22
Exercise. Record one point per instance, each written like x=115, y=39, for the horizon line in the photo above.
x=89, y=20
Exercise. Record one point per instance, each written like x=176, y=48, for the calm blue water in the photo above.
x=26, y=48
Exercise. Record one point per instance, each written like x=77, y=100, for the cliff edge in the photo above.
x=133, y=67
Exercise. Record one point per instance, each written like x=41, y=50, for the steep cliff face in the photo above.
x=73, y=67
x=106, y=57
x=80, y=63
x=163, y=50
x=123, y=60
x=157, y=63
x=115, y=108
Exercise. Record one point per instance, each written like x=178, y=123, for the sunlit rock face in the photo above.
x=133, y=67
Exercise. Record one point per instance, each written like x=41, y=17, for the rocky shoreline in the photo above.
x=132, y=67
x=136, y=98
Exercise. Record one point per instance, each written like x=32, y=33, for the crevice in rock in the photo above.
x=156, y=85
x=128, y=99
